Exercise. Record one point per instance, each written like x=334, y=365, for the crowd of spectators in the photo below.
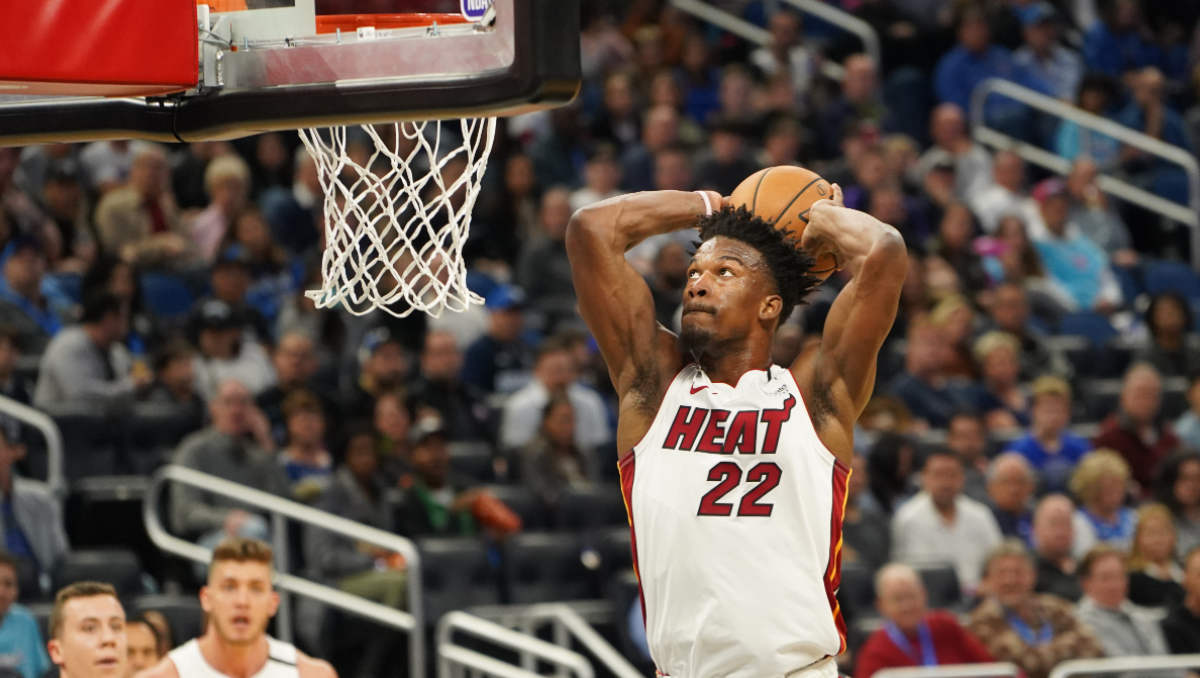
x=1036, y=424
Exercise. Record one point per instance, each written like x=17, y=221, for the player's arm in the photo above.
x=165, y=668
x=614, y=301
x=841, y=376
x=311, y=667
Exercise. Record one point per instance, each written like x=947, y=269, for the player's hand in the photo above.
x=714, y=199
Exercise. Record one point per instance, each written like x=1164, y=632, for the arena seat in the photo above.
x=472, y=460
x=1100, y=397
x=545, y=566
x=941, y=585
x=119, y=567
x=166, y=295
x=456, y=573
x=155, y=429
x=1171, y=276
x=856, y=595
x=583, y=509
x=92, y=444
x=183, y=613
x=1092, y=326
x=534, y=515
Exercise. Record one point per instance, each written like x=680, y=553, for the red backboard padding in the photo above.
x=108, y=47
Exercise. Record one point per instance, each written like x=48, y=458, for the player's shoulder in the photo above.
x=311, y=667
x=165, y=668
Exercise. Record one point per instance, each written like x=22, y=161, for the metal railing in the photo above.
x=760, y=36
x=566, y=623
x=411, y=621
x=1187, y=214
x=1140, y=665
x=992, y=670
x=49, y=430
x=452, y=656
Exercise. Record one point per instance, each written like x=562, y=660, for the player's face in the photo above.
x=142, y=649
x=727, y=292
x=239, y=600
x=92, y=639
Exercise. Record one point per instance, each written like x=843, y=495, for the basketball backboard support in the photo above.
x=267, y=69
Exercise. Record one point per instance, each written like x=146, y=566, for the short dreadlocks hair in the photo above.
x=790, y=266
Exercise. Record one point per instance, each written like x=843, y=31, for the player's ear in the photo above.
x=770, y=308
x=54, y=651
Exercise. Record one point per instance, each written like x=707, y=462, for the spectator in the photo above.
x=1051, y=448
x=1000, y=395
x=141, y=639
x=1041, y=58
x=923, y=385
x=1006, y=195
x=1178, y=489
x=13, y=384
x=230, y=282
x=618, y=121
x=295, y=362
x=785, y=52
x=972, y=61
x=1009, y=312
x=1034, y=631
x=1135, y=430
x=1182, y=624
x=667, y=280
x=1187, y=427
x=175, y=380
x=552, y=461
x=1119, y=42
x=80, y=368
x=383, y=367
x=22, y=304
x=913, y=635
x=857, y=101
x=543, y=271
x=87, y=632
x=956, y=231
x=269, y=276
x=294, y=212
x=305, y=460
x=1100, y=483
x=971, y=165
x=967, y=437
x=726, y=162
x=1154, y=576
x=65, y=203
x=158, y=621
x=941, y=525
x=438, y=386
x=393, y=419
x=21, y=645
x=1095, y=218
x=1010, y=487
x=227, y=180
x=865, y=535
x=601, y=180
x=499, y=361
x=32, y=527
x=140, y=222
x=357, y=493
x=891, y=462
x=1071, y=259
x=1148, y=112
x=1053, y=538
x=660, y=130
x=1173, y=348
x=1097, y=92
x=555, y=371
x=234, y=447
x=1122, y=628
x=1011, y=257
x=227, y=352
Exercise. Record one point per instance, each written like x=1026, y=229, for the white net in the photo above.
x=398, y=201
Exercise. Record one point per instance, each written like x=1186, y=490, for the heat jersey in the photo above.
x=281, y=661
x=736, y=511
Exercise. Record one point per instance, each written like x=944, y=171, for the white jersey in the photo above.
x=281, y=661
x=736, y=511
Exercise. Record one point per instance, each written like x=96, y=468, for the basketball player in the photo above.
x=87, y=632
x=741, y=466
x=239, y=600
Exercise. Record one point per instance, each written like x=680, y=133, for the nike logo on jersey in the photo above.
x=699, y=429
x=696, y=389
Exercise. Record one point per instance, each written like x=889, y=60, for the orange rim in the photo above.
x=330, y=23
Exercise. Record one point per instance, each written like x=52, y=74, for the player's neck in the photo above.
x=730, y=366
x=235, y=661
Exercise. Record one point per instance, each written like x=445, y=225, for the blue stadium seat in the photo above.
x=545, y=566
x=1092, y=326
x=166, y=295
x=1171, y=276
x=1130, y=279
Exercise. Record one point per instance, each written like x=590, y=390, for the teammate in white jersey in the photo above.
x=733, y=470
x=239, y=600
x=87, y=632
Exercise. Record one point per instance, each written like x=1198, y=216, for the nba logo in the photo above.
x=473, y=10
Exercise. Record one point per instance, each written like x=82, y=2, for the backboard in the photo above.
x=267, y=66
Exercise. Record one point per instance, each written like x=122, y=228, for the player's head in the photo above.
x=745, y=278
x=239, y=597
x=87, y=631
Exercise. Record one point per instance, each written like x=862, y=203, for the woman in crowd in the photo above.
x=551, y=462
x=1179, y=491
x=1100, y=483
x=1154, y=576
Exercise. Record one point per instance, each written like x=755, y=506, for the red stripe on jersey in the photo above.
x=625, y=470
x=833, y=572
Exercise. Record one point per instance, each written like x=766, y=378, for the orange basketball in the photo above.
x=782, y=196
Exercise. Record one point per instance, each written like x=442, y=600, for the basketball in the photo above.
x=782, y=196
